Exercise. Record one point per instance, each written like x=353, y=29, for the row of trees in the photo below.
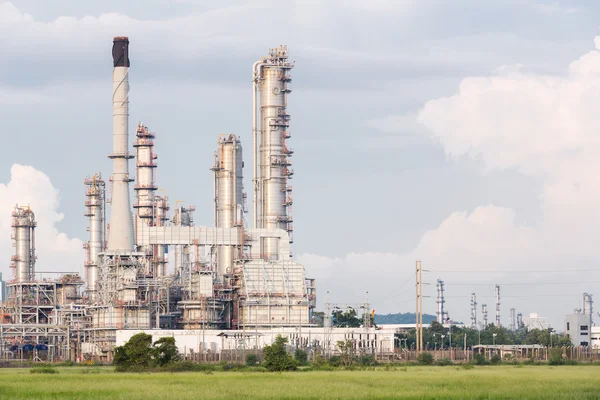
x=139, y=353
x=436, y=335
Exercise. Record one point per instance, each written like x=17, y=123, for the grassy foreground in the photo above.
x=451, y=382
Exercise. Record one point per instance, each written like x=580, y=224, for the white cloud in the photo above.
x=55, y=250
x=547, y=127
x=10, y=14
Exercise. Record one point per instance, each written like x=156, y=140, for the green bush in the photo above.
x=335, y=361
x=442, y=362
x=252, y=360
x=479, y=359
x=425, y=358
x=276, y=357
x=555, y=357
x=301, y=357
x=43, y=370
x=468, y=366
x=367, y=361
x=496, y=359
x=184, y=366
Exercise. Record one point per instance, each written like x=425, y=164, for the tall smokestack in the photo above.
x=121, y=223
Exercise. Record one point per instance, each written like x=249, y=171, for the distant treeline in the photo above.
x=402, y=318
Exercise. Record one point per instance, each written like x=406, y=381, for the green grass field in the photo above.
x=451, y=382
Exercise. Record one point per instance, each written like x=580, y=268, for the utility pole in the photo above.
x=419, y=307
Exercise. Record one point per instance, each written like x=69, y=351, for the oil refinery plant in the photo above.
x=147, y=266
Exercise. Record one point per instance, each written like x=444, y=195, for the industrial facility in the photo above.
x=147, y=266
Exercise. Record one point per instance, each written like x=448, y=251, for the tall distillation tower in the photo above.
x=497, y=290
x=272, y=194
x=95, y=203
x=229, y=196
x=440, y=301
x=23, y=262
x=473, y=310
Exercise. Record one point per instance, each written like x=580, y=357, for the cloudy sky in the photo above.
x=464, y=134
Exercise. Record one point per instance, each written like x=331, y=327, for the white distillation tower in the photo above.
x=272, y=194
x=229, y=196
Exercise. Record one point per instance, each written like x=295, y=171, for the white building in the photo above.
x=535, y=321
x=189, y=342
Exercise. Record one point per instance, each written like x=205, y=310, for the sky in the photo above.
x=463, y=134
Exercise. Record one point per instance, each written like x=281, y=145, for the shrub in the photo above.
x=43, y=370
x=442, y=362
x=251, y=360
x=479, y=359
x=367, y=361
x=425, y=358
x=301, y=357
x=276, y=356
x=335, y=361
x=468, y=366
x=496, y=359
x=555, y=357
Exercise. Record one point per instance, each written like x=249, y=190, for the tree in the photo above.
x=135, y=354
x=347, y=351
x=346, y=319
x=276, y=356
x=165, y=351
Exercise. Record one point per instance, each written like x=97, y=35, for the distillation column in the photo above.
x=497, y=288
x=229, y=195
x=272, y=197
x=95, y=189
x=484, y=313
x=144, y=189
x=473, y=311
x=121, y=224
x=440, y=301
x=23, y=262
x=161, y=206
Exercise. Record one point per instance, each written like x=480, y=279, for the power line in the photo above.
x=521, y=283
x=514, y=271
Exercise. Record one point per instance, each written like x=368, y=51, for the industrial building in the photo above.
x=147, y=266
x=578, y=326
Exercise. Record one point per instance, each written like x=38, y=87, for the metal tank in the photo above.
x=121, y=223
x=95, y=189
x=228, y=194
x=23, y=262
x=272, y=194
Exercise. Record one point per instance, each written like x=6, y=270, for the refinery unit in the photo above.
x=147, y=266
